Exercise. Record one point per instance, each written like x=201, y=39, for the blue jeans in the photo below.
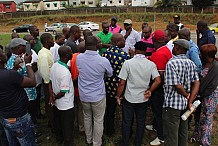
x=20, y=133
x=128, y=111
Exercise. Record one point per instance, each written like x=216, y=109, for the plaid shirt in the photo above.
x=179, y=70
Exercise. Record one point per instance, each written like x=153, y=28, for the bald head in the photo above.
x=118, y=40
x=184, y=34
x=14, y=35
x=66, y=32
x=91, y=43
x=65, y=53
x=28, y=37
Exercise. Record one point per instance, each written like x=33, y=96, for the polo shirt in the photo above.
x=45, y=63
x=92, y=70
x=105, y=39
x=38, y=46
x=150, y=46
x=74, y=72
x=131, y=39
x=180, y=70
x=160, y=57
x=137, y=72
x=54, y=52
x=207, y=38
x=72, y=44
x=62, y=82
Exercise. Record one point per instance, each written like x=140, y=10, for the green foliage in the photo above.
x=202, y=3
x=168, y=3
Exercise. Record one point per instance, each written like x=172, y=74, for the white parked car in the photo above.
x=52, y=27
x=89, y=25
x=60, y=28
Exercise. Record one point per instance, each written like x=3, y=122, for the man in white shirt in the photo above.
x=178, y=22
x=59, y=41
x=130, y=35
x=62, y=96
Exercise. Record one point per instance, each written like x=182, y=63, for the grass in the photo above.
x=6, y=38
x=79, y=138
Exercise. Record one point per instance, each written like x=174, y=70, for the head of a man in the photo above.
x=34, y=31
x=59, y=39
x=47, y=40
x=29, y=38
x=144, y=24
x=18, y=46
x=147, y=32
x=140, y=47
x=158, y=38
x=176, y=19
x=113, y=21
x=86, y=33
x=118, y=40
x=75, y=32
x=208, y=51
x=202, y=26
x=81, y=47
x=91, y=43
x=66, y=32
x=127, y=24
x=105, y=27
x=181, y=46
x=184, y=34
x=99, y=44
x=65, y=53
x=14, y=35
x=172, y=30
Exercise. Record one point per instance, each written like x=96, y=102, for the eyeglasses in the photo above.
x=126, y=24
x=146, y=32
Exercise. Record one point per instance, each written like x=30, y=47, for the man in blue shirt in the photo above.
x=207, y=35
x=193, y=53
x=92, y=69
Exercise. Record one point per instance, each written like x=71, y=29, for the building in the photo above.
x=149, y=3
x=54, y=4
x=89, y=3
x=33, y=5
x=39, y=5
x=109, y=3
x=8, y=6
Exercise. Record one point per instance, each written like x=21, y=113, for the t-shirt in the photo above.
x=105, y=39
x=72, y=44
x=13, y=98
x=38, y=46
x=62, y=82
x=137, y=72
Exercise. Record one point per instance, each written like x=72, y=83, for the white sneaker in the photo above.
x=156, y=141
x=150, y=127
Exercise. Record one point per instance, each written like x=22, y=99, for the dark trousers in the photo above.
x=128, y=111
x=64, y=122
x=48, y=108
x=156, y=102
x=3, y=138
x=32, y=110
x=38, y=108
x=174, y=128
x=111, y=104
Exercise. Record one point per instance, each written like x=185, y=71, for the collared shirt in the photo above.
x=105, y=39
x=38, y=46
x=179, y=71
x=31, y=92
x=137, y=72
x=45, y=63
x=115, y=29
x=194, y=54
x=72, y=44
x=62, y=82
x=170, y=44
x=54, y=51
x=207, y=38
x=180, y=25
x=92, y=69
x=116, y=58
x=131, y=40
x=150, y=46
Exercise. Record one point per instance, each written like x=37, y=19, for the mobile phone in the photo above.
x=28, y=48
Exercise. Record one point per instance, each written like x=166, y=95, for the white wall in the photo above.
x=54, y=5
x=139, y=3
x=112, y=3
x=32, y=6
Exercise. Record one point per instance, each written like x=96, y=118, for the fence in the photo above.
x=185, y=9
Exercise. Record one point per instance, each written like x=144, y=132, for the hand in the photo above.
x=17, y=62
x=34, y=66
x=189, y=105
x=147, y=94
x=119, y=100
x=28, y=58
x=51, y=99
x=188, y=96
x=131, y=52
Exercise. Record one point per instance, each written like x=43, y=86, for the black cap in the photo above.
x=142, y=46
x=176, y=16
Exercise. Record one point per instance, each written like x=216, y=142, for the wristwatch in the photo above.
x=29, y=64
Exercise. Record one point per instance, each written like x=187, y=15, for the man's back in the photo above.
x=92, y=68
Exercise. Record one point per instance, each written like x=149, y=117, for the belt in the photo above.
x=14, y=120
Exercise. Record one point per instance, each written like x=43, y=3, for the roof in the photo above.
x=53, y=0
x=6, y=2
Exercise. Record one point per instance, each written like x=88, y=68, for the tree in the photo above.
x=202, y=3
x=168, y=3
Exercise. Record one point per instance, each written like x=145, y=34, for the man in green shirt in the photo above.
x=34, y=31
x=105, y=37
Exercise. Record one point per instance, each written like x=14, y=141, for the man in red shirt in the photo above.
x=160, y=57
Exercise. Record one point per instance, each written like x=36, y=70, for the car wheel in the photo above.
x=46, y=30
x=213, y=31
x=14, y=30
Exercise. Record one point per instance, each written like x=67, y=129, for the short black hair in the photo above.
x=74, y=28
x=172, y=27
x=44, y=37
x=32, y=28
x=58, y=36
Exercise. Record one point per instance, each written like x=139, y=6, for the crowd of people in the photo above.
x=83, y=78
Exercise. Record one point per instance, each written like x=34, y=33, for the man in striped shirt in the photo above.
x=180, y=89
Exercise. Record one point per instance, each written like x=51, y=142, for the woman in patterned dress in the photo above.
x=209, y=94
